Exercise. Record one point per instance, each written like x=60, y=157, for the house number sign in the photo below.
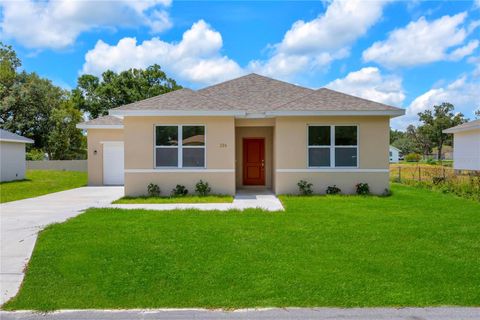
x=223, y=145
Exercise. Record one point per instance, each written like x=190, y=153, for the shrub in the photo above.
x=202, y=188
x=153, y=190
x=413, y=157
x=431, y=161
x=333, y=190
x=363, y=188
x=35, y=154
x=179, y=191
x=305, y=187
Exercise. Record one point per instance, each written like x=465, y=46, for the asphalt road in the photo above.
x=441, y=313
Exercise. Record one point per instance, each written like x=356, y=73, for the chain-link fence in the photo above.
x=461, y=182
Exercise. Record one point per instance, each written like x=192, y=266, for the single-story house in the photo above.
x=249, y=131
x=12, y=156
x=466, y=145
x=394, y=154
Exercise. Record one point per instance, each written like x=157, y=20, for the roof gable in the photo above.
x=254, y=92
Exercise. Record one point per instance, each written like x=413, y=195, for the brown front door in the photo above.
x=254, y=161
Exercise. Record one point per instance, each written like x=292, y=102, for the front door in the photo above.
x=254, y=161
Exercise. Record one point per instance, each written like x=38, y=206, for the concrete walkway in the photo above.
x=442, y=313
x=20, y=222
x=244, y=199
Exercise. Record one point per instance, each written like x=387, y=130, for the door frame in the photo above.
x=244, y=156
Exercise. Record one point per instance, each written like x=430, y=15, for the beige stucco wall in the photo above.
x=95, y=161
x=254, y=132
x=139, y=155
x=291, y=154
x=220, y=182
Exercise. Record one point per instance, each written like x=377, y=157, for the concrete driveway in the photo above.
x=20, y=222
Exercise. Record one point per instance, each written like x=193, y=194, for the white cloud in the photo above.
x=463, y=93
x=56, y=24
x=370, y=84
x=196, y=58
x=422, y=42
x=313, y=44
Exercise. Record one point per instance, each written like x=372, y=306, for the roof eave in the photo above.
x=456, y=130
x=99, y=126
x=390, y=113
x=18, y=141
x=176, y=113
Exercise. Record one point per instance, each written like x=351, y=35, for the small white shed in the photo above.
x=394, y=154
x=12, y=156
x=466, y=145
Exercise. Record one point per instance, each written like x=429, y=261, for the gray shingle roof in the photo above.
x=183, y=99
x=475, y=124
x=13, y=137
x=101, y=121
x=255, y=93
x=329, y=100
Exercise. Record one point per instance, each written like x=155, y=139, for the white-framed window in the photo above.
x=332, y=146
x=179, y=146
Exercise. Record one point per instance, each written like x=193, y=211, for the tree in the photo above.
x=96, y=96
x=9, y=62
x=477, y=113
x=435, y=121
x=420, y=142
x=65, y=141
x=395, y=135
x=35, y=108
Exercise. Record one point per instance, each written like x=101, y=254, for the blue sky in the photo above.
x=408, y=54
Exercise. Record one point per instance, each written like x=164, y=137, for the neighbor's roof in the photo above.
x=8, y=136
x=392, y=147
x=472, y=125
x=255, y=95
x=105, y=122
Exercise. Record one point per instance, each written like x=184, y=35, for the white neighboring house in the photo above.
x=12, y=156
x=466, y=145
x=394, y=154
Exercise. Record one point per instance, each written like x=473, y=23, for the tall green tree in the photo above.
x=35, y=108
x=65, y=141
x=96, y=96
x=435, y=121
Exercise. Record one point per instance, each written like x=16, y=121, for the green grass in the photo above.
x=415, y=248
x=185, y=199
x=40, y=182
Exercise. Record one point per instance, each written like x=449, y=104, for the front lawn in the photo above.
x=40, y=182
x=415, y=248
x=184, y=199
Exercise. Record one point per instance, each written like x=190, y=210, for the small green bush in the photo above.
x=179, y=191
x=202, y=188
x=362, y=188
x=333, y=190
x=153, y=190
x=305, y=187
x=413, y=157
x=35, y=154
